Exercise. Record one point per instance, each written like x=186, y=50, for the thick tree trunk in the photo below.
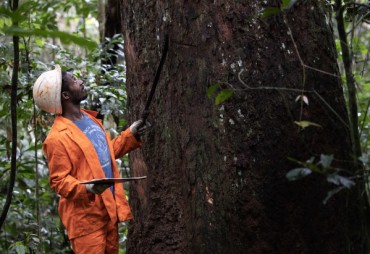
x=216, y=174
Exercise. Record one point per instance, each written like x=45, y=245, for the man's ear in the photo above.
x=65, y=96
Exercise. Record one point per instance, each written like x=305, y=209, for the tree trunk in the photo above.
x=216, y=173
x=112, y=27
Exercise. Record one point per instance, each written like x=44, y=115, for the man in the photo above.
x=78, y=149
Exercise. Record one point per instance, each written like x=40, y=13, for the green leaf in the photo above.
x=5, y=12
x=326, y=160
x=340, y=180
x=19, y=248
x=63, y=36
x=364, y=159
x=270, y=11
x=223, y=95
x=298, y=173
x=286, y=4
x=305, y=124
x=332, y=193
x=308, y=164
x=212, y=89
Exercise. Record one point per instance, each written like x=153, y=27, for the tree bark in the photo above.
x=216, y=173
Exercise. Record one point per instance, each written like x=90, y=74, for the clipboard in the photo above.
x=113, y=180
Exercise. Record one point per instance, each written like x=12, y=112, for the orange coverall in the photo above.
x=71, y=160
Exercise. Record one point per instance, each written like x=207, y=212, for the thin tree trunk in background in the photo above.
x=37, y=178
x=216, y=173
x=113, y=18
x=26, y=44
x=112, y=27
x=13, y=111
x=101, y=19
x=360, y=195
x=351, y=84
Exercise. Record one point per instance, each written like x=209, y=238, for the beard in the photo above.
x=76, y=100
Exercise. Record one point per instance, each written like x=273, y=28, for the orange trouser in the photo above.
x=102, y=241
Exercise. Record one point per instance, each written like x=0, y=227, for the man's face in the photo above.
x=76, y=89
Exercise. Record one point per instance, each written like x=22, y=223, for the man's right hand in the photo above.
x=97, y=188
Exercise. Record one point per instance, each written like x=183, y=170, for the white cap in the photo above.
x=47, y=91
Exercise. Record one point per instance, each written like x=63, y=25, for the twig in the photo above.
x=330, y=107
x=365, y=116
x=267, y=87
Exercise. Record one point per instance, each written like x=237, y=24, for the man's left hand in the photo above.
x=138, y=128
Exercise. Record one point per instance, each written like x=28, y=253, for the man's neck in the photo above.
x=73, y=113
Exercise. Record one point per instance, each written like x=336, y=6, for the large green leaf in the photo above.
x=63, y=36
x=20, y=248
x=298, y=173
x=223, y=95
x=305, y=124
x=340, y=180
x=270, y=11
x=332, y=193
x=212, y=89
x=286, y=4
x=326, y=160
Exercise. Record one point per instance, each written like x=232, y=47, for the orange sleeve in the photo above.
x=59, y=171
x=124, y=143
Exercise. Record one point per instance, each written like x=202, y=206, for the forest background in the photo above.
x=71, y=33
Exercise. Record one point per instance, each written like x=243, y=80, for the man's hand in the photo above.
x=97, y=188
x=138, y=128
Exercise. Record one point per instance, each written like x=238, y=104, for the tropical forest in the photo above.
x=230, y=126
